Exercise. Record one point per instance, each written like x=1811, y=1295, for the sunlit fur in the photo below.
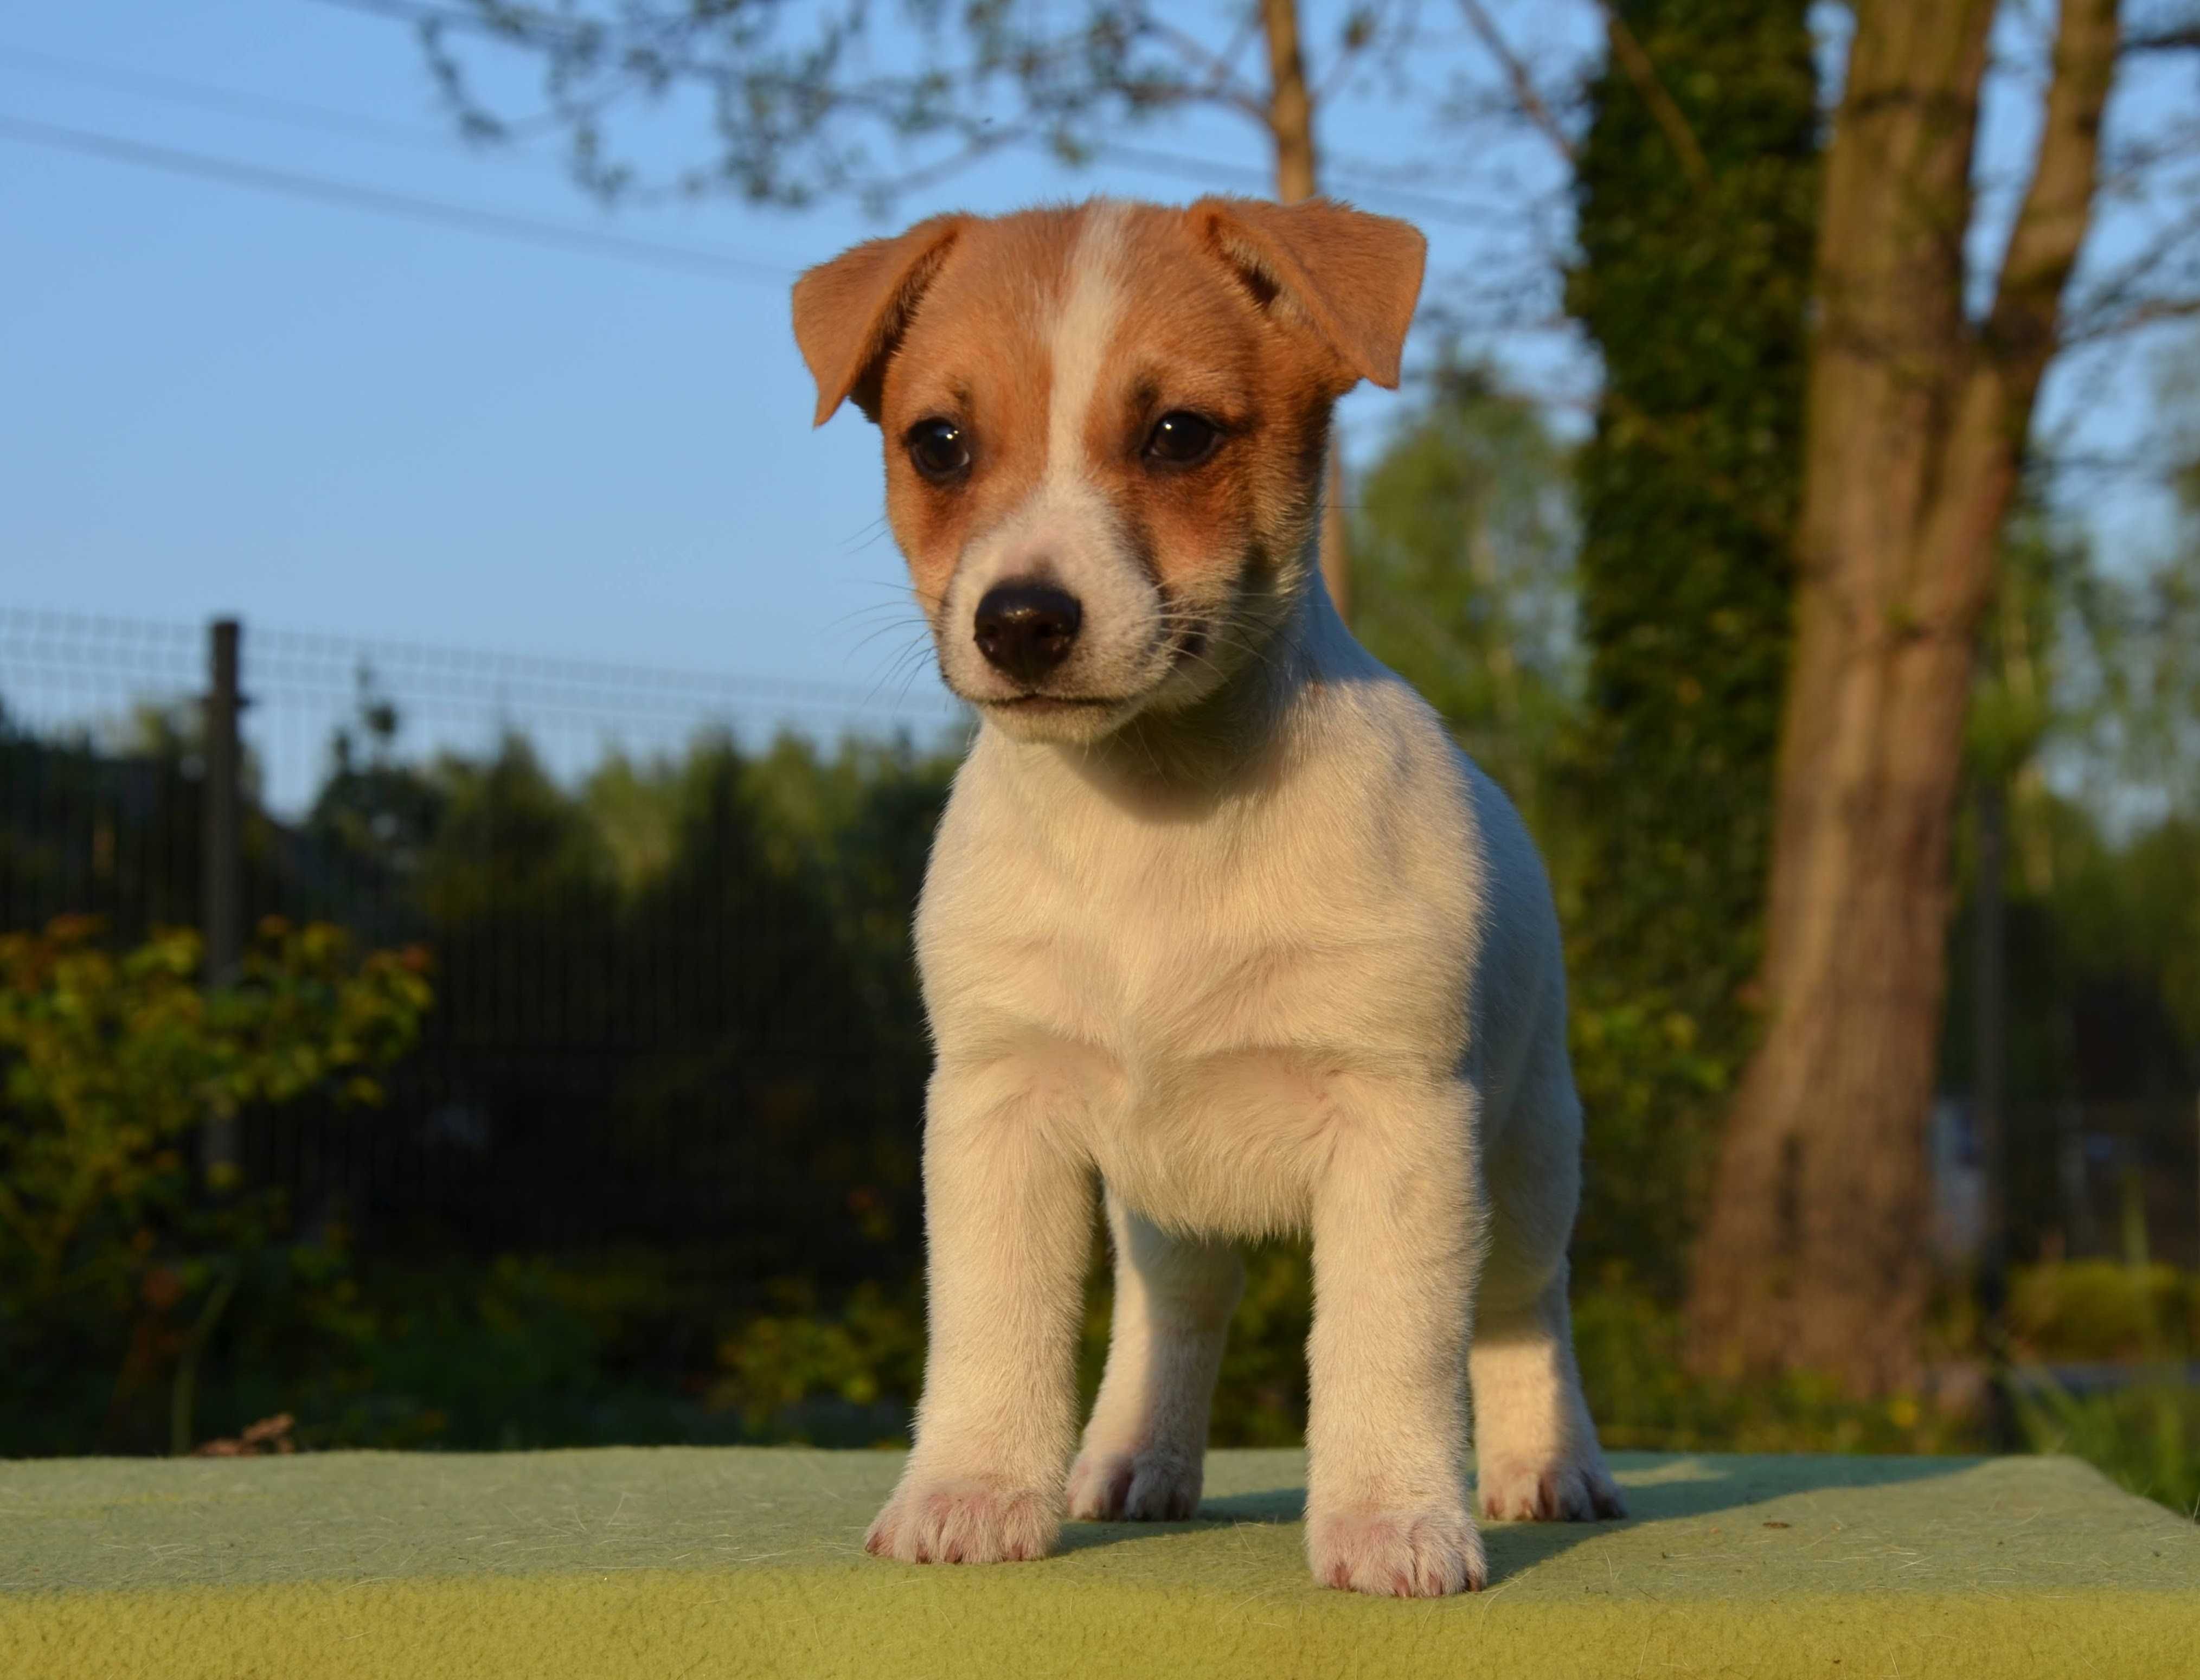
x=1248, y=942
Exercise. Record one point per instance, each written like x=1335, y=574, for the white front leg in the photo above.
x=1007, y=1213
x=1145, y=1449
x=1398, y=1218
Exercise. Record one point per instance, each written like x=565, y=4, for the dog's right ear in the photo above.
x=850, y=313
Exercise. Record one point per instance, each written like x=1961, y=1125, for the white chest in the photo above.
x=1193, y=992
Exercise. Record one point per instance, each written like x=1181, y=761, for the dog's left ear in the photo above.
x=849, y=312
x=1354, y=278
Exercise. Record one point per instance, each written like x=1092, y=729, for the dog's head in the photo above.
x=1104, y=430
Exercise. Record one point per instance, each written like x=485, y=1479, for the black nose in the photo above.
x=1025, y=628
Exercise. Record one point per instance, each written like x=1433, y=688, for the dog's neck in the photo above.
x=1179, y=765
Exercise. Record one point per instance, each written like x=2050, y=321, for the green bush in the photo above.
x=872, y=1349
x=519, y=1353
x=116, y=1267
x=2103, y=1309
x=1643, y=1397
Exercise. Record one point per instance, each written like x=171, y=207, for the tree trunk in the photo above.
x=1815, y=1253
x=1291, y=121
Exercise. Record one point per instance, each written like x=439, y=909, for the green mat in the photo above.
x=739, y=1562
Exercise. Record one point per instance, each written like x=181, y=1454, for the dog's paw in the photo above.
x=1576, y=1489
x=963, y=1522
x=1107, y=1487
x=1397, y=1554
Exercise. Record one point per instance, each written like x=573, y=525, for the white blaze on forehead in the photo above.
x=1065, y=529
x=1082, y=332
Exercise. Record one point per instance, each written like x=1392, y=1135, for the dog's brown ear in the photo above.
x=1352, y=277
x=848, y=312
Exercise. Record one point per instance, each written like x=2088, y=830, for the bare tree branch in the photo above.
x=1516, y=73
x=1222, y=86
x=1644, y=74
x=2150, y=311
x=2184, y=38
x=2021, y=328
x=1364, y=30
x=2127, y=287
x=1994, y=401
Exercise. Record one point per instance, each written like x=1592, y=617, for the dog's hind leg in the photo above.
x=1145, y=1447
x=1535, y=1449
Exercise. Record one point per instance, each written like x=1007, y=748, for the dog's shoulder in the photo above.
x=1392, y=755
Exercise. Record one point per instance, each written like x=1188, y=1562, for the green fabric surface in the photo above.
x=749, y=1562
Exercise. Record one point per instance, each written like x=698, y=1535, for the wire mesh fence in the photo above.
x=667, y=915
x=666, y=912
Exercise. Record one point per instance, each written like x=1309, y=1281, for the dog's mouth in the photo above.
x=1051, y=705
x=1181, y=649
x=1185, y=649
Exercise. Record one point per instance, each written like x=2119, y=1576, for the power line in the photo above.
x=232, y=102
x=444, y=17
x=434, y=213
x=298, y=114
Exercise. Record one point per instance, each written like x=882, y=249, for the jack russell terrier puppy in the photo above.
x=1218, y=916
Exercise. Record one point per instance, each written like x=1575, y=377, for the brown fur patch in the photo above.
x=977, y=353
x=1188, y=337
x=1254, y=316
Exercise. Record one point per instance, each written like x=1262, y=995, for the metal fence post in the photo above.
x=1990, y=1030
x=1989, y=1036
x=221, y=861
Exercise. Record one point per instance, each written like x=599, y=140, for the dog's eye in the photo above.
x=939, y=449
x=1182, y=439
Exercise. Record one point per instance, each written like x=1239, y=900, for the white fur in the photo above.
x=1082, y=332
x=1270, y=956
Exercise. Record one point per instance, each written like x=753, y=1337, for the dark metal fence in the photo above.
x=670, y=1008
x=673, y=999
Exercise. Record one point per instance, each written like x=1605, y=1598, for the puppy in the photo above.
x=1218, y=916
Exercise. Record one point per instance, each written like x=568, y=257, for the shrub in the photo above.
x=115, y=1268
x=2103, y=1309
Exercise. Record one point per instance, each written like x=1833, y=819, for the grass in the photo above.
x=2145, y=1437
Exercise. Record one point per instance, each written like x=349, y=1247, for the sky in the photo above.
x=225, y=400
x=215, y=399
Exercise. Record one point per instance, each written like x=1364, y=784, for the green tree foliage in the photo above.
x=82, y=829
x=681, y=991
x=111, y=1063
x=1463, y=538
x=2141, y=714
x=1697, y=195
x=2086, y=709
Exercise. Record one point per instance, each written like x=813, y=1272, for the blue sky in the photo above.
x=219, y=400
